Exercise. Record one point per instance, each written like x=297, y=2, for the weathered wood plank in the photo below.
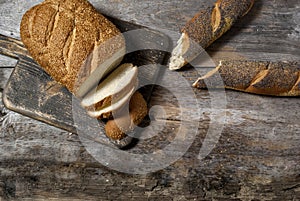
x=4, y=75
x=255, y=158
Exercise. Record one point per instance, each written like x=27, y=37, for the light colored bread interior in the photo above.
x=99, y=69
x=119, y=83
x=105, y=112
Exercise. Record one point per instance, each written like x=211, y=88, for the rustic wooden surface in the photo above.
x=256, y=158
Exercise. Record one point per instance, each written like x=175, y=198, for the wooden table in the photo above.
x=256, y=157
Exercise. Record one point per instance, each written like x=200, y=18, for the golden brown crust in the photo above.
x=61, y=35
x=209, y=24
x=199, y=28
x=116, y=129
x=205, y=27
x=259, y=77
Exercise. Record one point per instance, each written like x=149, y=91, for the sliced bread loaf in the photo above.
x=70, y=40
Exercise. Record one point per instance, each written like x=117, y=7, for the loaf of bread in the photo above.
x=81, y=49
x=205, y=27
x=116, y=129
x=70, y=40
x=258, y=77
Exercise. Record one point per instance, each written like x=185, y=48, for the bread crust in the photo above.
x=258, y=77
x=205, y=27
x=61, y=36
x=209, y=24
x=116, y=129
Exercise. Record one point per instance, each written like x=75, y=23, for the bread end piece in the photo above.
x=118, y=128
x=177, y=60
x=205, y=27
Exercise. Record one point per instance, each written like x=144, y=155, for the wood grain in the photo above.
x=256, y=157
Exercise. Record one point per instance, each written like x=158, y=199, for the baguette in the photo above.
x=116, y=129
x=70, y=39
x=206, y=27
x=258, y=77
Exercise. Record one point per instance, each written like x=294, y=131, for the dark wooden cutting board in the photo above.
x=32, y=92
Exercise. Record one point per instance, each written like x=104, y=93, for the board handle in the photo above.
x=13, y=48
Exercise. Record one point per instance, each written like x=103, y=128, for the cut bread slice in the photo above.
x=117, y=85
x=106, y=112
x=98, y=70
x=117, y=128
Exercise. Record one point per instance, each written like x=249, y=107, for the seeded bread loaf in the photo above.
x=205, y=27
x=80, y=48
x=258, y=77
x=70, y=40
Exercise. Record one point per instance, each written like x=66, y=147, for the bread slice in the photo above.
x=117, y=85
x=117, y=128
x=71, y=40
x=99, y=70
x=106, y=112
